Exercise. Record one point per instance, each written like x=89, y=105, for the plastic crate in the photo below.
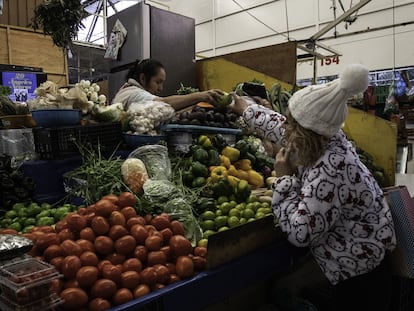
x=27, y=280
x=43, y=304
x=180, y=137
x=59, y=142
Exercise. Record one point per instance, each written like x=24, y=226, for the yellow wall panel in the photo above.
x=376, y=136
x=223, y=74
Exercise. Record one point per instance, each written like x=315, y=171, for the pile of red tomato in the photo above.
x=109, y=255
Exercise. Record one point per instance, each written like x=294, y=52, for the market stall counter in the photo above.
x=213, y=285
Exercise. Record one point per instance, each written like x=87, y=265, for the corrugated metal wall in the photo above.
x=18, y=12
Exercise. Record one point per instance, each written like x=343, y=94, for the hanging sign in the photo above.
x=116, y=40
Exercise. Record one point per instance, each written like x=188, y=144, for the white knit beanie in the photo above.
x=323, y=108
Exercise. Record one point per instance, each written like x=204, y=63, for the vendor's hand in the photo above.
x=211, y=96
x=283, y=163
x=238, y=105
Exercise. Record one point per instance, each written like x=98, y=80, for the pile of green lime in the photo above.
x=23, y=217
x=228, y=214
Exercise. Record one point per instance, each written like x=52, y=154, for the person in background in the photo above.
x=326, y=199
x=145, y=82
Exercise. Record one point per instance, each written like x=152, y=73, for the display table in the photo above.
x=214, y=285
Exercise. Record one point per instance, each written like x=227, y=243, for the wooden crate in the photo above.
x=25, y=47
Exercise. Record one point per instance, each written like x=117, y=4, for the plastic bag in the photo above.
x=156, y=160
x=181, y=210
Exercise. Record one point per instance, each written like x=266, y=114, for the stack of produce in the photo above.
x=109, y=255
x=26, y=284
x=22, y=217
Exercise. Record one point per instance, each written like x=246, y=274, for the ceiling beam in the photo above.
x=338, y=20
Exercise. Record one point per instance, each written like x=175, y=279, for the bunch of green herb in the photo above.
x=186, y=90
x=97, y=176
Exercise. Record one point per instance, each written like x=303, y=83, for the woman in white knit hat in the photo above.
x=325, y=198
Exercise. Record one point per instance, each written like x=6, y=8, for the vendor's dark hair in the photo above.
x=149, y=67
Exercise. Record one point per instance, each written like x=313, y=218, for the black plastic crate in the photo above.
x=60, y=142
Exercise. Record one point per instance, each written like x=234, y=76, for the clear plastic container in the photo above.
x=27, y=280
x=43, y=304
x=156, y=160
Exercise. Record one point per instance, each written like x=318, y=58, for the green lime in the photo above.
x=220, y=221
x=207, y=233
x=208, y=215
x=233, y=203
x=219, y=212
x=235, y=212
x=241, y=206
x=202, y=242
x=208, y=224
x=259, y=215
x=242, y=220
x=252, y=198
x=29, y=222
x=233, y=221
x=16, y=226
x=225, y=207
x=264, y=210
x=224, y=228
x=248, y=213
x=10, y=214
x=221, y=199
x=251, y=206
x=266, y=205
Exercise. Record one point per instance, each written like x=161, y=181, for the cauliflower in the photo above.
x=134, y=174
x=147, y=117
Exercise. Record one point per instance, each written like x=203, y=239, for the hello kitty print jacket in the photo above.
x=335, y=206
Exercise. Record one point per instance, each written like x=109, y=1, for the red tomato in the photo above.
x=127, y=199
x=141, y=290
x=180, y=246
x=153, y=243
x=184, y=267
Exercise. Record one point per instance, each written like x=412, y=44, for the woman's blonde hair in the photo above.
x=310, y=145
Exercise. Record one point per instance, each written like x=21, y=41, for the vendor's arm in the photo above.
x=179, y=102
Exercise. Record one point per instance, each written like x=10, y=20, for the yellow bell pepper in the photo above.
x=218, y=173
x=225, y=161
x=204, y=140
x=232, y=170
x=244, y=164
x=255, y=178
x=232, y=153
x=244, y=175
x=233, y=181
